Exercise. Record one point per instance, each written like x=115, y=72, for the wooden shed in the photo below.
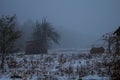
x=35, y=47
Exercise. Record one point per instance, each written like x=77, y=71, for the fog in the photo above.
x=80, y=23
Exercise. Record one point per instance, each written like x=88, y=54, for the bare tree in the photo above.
x=45, y=34
x=8, y=35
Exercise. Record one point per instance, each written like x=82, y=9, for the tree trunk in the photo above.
x=3, y=60
x=109, y=46
x=3, y=50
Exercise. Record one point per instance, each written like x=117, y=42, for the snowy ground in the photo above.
x=56, y=66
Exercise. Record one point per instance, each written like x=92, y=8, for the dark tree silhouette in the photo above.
x=113, y=58
x=8, y=35
x=116, y=60
x=117, y=40
x=45, y=34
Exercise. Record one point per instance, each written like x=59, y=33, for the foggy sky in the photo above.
x=80, y=22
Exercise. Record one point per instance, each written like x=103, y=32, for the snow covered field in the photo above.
x=55, y=66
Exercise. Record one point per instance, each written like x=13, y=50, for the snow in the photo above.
x=36, y=66
x=95, y=77
x=62, y=78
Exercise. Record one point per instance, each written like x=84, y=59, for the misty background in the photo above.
x=80, y=23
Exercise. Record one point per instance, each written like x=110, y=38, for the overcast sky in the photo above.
x=81, y=22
